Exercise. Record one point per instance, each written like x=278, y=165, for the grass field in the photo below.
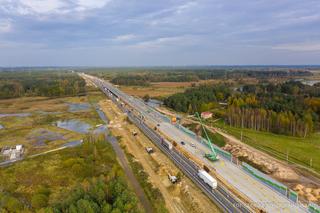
x=63, y=178
x=302, y=151
x=43, y=112
x=153, y=91
x=215, y=138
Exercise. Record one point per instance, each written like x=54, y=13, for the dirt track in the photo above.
x=181, y=197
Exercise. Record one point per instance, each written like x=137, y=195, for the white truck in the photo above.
x=166, y=143
x=208, y=179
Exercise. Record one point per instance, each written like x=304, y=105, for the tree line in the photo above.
x=49, y=84
x=198, y=99
x=144, y=78
x=290, y=108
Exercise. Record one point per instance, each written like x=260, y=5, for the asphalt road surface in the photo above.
x=262, y=197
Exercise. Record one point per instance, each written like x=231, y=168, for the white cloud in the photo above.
x=126, y=37
x=299, y=47
x=50, y=7
x=5, y=26
x=160, y=42
x=91, y=4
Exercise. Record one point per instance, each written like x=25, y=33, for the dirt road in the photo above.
x=181, y=197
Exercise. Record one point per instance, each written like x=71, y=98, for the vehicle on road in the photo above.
x=193, y=145
x=208, y=179
x=166, y=143
x=182, y=143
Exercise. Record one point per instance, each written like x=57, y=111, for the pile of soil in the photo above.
x=307, y=191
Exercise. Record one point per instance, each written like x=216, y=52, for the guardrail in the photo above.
x=265, y=179
x=313, y=208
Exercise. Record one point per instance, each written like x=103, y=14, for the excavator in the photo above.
x=213, y=155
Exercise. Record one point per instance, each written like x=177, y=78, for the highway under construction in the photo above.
x=237, y=191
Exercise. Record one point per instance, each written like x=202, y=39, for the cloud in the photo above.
x=50, y=7
x=299, y=47
x=125, y=37
x=162, y=42
x=5, y=26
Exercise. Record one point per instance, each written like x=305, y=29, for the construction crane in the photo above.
x=213, y=155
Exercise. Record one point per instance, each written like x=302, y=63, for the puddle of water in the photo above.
x=102, y=115
x=75, y=107
x=15, y=115
x=154, y=103
x=74, y=125
x=100, y=129
x=308, y=82
x=1, y=127
x=40, y=137
x=73, y=143
x=47, y=113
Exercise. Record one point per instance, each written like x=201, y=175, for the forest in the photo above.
x=15, y=84
x=85, y=179
x=289, y=108
x=144, y=78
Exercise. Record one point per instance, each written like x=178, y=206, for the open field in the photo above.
x=301, y=151
x=181, y=197
x=162, y=89
x=35, y=127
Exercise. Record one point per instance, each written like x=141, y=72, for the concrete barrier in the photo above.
x=313, y=208
x=293, y=196
x=265, y=179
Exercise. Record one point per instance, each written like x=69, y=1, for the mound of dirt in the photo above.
x=264, y=163
x=281, y=172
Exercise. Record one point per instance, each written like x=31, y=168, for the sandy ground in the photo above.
x=306, y=186
x=181, y=197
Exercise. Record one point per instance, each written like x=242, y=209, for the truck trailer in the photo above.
x=166, y=143
x=208, y=179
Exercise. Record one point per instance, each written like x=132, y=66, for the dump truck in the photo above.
x=208, y=179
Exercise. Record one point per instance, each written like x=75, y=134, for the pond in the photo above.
x=75, y=107
x=1, y=127
x=40, y=137
x=74, y=125
x=15, y=115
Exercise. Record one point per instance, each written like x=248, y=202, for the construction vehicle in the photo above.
x=213, y=155
x=172, y=178
x=149, y=150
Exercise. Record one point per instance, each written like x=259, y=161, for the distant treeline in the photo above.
x=145, y=78
x=37, y=83
x=290, y=108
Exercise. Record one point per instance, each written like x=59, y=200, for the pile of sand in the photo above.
x=275, y=170
x=267, y=165
x=309, y=193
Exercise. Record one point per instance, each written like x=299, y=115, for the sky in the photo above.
x=159, y=32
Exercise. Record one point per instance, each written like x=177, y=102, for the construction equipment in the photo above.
x=213, y=155
x=149, y=150
x=172, y=178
